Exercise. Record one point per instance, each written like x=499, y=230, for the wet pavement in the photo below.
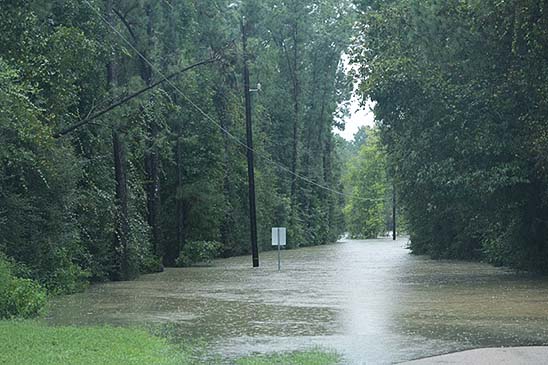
x=369, y=300
x=531, y=355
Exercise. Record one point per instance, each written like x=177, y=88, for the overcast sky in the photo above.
x=359, y=115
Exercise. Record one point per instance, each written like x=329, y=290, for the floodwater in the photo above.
x=369, y=300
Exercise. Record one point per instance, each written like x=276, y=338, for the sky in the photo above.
x=359, y=115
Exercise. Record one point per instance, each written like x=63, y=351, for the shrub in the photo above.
x=25, y=298
x=68, y=280
x=65, y=277
x=199, y=252
x=19, y=297
x=150, y=263
x=5, y=279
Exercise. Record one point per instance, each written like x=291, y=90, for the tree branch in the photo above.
x=127, y=25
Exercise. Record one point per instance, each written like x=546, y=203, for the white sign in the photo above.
x=278, y=236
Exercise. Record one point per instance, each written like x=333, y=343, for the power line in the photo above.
x=217, y=124
x=168, y=4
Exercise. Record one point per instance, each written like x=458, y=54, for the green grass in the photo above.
x=312, y=357
x=28, y=342
x=33, y=342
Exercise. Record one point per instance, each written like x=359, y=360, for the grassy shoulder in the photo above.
x=33, y=342
x=312, y=357
x=30, y=342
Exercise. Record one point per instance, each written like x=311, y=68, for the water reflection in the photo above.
x=369, y=300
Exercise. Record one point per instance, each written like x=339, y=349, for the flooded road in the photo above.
x=369, y=300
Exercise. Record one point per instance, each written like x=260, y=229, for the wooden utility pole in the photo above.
x=250, y=168
x=393, y=212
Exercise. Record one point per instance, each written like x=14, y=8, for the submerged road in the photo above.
x=370, y=300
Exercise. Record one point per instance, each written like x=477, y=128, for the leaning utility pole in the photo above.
x=393, y=212
x=250, y=168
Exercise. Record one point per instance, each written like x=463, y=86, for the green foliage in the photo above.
x=79, y=205
x=26, y=342
x=66, y=280
x=151, y=264
x=367, y=182
x=199, y=252
x=21, y=298
x=24, y=298
x=36, y=195
x=460, y=92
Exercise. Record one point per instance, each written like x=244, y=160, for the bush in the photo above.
x=5, y=279
x=150, y=264
x=199, y=252
x=23, y=298
x=63, y=276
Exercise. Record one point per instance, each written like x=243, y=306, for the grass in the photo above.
x=312, y=357
x=34, y=342
x=29, y=342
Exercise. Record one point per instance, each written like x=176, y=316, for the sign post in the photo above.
x=278, y=239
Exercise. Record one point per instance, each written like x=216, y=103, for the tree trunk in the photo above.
x=152, y=168
x=121, y=236
x=296, y=92
x=228, y=220
x=173, y=251
x=120, y=270
x=152, y=187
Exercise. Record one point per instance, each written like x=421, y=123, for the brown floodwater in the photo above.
x=369, y=300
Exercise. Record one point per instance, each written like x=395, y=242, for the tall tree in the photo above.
x=457, y=119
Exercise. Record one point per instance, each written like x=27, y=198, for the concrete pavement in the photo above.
x=490, y=356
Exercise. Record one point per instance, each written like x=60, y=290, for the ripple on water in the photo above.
x=370, y=300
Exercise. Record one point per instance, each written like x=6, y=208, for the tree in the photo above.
x=457, y=122
x=367, y=181
x=122, y=125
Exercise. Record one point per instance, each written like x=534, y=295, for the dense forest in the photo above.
x=122, y=132
x=461, y=102
x=156, y=136
x=124, y=146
